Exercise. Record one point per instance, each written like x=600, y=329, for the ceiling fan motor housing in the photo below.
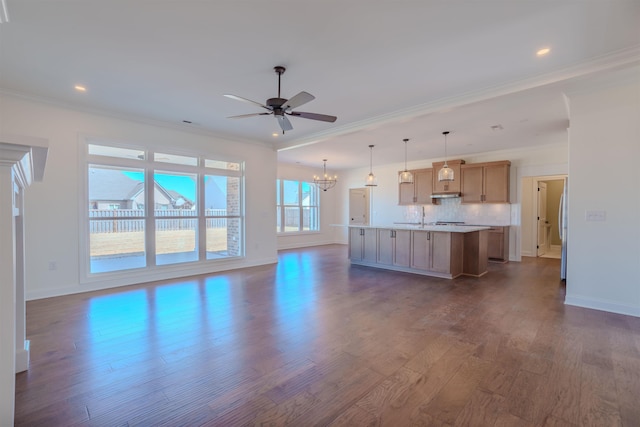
x=276, y=105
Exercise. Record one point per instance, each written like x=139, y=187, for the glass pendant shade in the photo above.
x=325, y=181
x=371, y=180
x=405, y=176
x=446, y=173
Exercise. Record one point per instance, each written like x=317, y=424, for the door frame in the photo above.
x=529, y=211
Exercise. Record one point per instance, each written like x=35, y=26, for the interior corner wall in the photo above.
x=603, y=264
x=52, y=206
x=328, y=211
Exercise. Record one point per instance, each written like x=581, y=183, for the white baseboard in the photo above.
x=602, y=305
x=77, y=288
x=303, y=244
x=22, y=357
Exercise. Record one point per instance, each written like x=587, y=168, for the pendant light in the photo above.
x=446, y=173
x=405, y=176
x=371, y=180
x=325, y=182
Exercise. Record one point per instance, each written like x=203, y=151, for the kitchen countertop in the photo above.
x=426, y=227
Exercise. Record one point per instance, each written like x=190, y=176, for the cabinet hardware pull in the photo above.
x=428, y=235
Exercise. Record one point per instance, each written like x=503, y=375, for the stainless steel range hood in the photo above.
x=445, y=195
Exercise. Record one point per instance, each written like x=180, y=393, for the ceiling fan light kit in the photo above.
x=446, y=173
x=405, y=177
x=282, y=107
x=371, y=180
x=325, y=181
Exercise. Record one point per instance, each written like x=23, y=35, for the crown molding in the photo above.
x=616, y=60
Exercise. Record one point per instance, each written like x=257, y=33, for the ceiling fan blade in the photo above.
x=314, y=116
x=242, y=116
x=239, y=98
x=298, y=100
x=285, y=124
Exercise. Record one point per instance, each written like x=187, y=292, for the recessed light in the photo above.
x=80, y=88
x=543, y=51
x=275, y=134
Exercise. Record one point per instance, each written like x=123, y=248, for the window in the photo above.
x=194, y=209
x=297, y=206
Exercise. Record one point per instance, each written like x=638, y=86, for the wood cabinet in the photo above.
x=363, y=244
x=437, y=251
x=498, y=245
x=418, y=192
x=394, y=247
x=447, y=186
x=485, y=182
x=445, y=254
x=475, y=257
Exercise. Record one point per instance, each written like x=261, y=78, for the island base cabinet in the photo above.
x=394, y=247
x=421, y=250
x=363, y=244
x=475, y=258
x=439, y=252
x=444, y=254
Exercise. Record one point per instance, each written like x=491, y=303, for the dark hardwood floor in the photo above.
x=314, y=341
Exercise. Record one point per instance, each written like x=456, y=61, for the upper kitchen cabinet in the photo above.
x=418, y=192
x=447, y=186
x=485, y=182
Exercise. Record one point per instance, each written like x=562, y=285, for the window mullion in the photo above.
x=150, y=222
x=300, y=208
x=202, y=219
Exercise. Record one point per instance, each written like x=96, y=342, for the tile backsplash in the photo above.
x=454, y=210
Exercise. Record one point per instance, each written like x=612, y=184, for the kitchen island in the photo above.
x=433, y=250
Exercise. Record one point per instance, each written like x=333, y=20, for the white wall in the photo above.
x=544, y=160
x=328, y=215
x=52, y=207
x=603, y=268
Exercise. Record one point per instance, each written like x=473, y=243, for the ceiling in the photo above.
x=388, y=70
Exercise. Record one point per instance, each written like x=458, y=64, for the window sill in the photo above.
x=297, y=233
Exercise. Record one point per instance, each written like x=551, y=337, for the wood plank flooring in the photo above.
x=315, y=341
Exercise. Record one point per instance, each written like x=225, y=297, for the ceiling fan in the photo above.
x=281, y=107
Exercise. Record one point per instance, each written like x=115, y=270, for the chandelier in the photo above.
x=325, y=181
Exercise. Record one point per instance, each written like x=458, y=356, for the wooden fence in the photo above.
x=126, y=220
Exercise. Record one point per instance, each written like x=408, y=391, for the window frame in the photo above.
x=150, y=167
x=314, y=205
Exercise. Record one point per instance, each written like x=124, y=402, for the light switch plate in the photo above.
x=595, y=215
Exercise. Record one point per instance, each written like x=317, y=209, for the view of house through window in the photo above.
x=169, y=210
x=297, y=206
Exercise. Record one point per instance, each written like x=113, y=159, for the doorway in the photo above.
x=540, y=223
x=359, y=206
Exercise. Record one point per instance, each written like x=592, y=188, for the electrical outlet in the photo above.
x=595, y=215
x=53, y=265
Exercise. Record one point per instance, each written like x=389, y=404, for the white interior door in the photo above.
x=359, y=206
x=542, y=218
